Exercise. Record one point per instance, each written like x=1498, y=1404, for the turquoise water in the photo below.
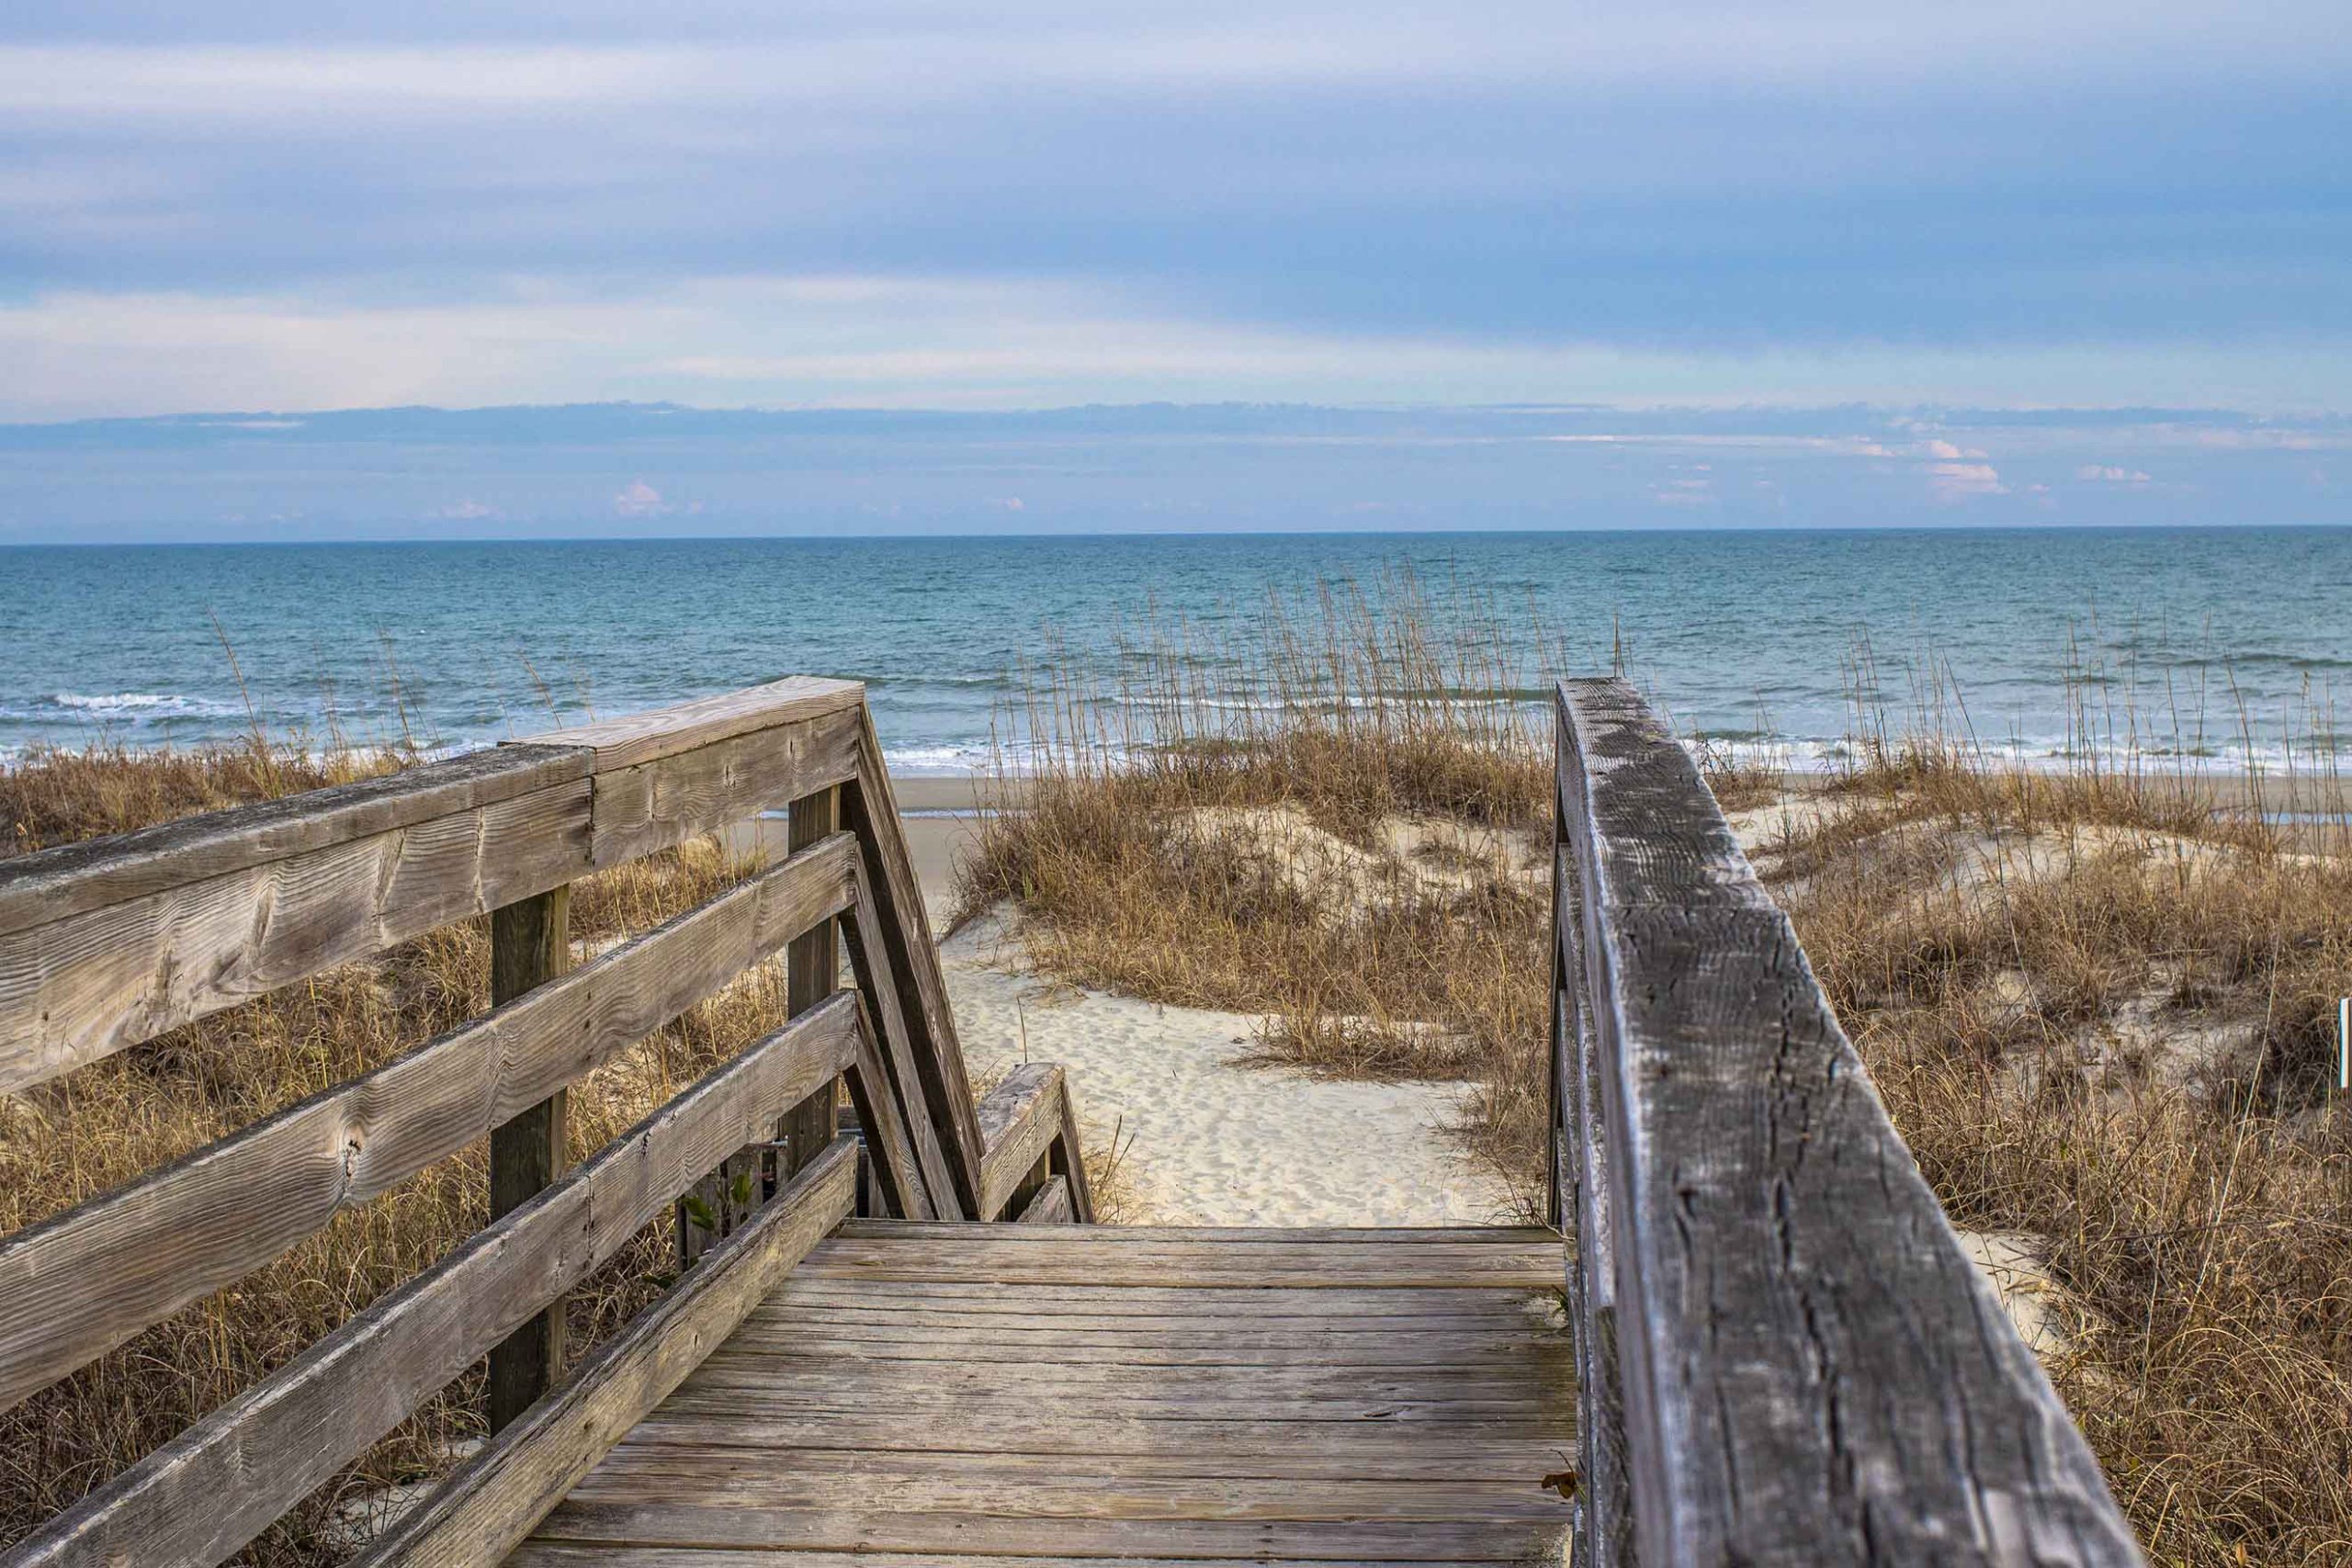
x=1742, y=634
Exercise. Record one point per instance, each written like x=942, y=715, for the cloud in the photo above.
x=1685, y=493
x=1953, y=482
x=466, y=511
x=637, y=499
x=2099, y=473
x=1010, y=504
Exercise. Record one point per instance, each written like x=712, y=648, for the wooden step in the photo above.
x=964, y=1393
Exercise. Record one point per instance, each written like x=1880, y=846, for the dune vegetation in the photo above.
x=2099, y=1001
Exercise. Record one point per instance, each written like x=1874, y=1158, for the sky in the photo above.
x=1756, y=208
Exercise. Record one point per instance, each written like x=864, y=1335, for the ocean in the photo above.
x=2212, y=642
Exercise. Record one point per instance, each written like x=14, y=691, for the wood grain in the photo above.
x=637, y=738
x=488, y=1505
x=530, y=944
x=75, y=989
x=1812, y=1370
x=72, y=879
x=1051, y=1206
x=896, y=1169
x=812, y=968
x=1326, y=1439
x=870, y=961
x=678, y=794
x=869, y=810
x=82, y=1282
x=220, y=1483
x=1020, y=1118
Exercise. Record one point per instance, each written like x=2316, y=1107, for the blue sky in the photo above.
x=904, y=204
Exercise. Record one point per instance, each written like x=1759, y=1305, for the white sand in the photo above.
x=1214, y=1142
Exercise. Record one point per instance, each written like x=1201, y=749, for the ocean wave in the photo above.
x=141, y=706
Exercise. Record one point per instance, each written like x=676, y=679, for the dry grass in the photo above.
x=104, y=1124
x=2098, y=1003
x=1248, y=844
x=2101, y=1008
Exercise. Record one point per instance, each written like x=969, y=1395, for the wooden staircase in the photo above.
x=908, y=1346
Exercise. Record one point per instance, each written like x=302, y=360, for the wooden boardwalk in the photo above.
x=951, y=1393
x=905, y=1342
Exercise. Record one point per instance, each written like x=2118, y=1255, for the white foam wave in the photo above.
x=141, y=706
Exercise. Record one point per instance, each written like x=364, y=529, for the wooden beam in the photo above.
x=896, y=1169
x=1050, y=1206
x=72, y=879
x=678, y=794
x=638, y=738
x=530, y=944
x=486, y=1507
x=869, y=952
x=1069, y=1159
x=1811, y=1369
x=1018, y=1121
x=871, y=812
x=217, y=1486
x=75, y=989
x=812, y=969
x=82, y=1282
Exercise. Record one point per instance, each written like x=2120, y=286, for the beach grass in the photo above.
x=2097, y=997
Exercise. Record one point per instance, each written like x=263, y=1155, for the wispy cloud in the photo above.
x=1044, y=199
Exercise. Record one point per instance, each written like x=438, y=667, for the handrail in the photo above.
x=107, y=944
x=1783, y=1353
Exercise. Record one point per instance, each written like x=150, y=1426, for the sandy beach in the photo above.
x=1203, y=1139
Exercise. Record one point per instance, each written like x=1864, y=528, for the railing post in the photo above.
x=530, y=944
x=812, y=969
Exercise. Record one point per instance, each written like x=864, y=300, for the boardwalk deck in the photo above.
x=941, y=1393
x=1789, y=1360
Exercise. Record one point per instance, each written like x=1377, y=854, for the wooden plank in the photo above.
x=72, y=879
x=1014, y=1429
x=781, y=1484
x=1051, y=1206
x=896, y=1167
x=902, y=1385
x=1187, y=1408
x=869, y=952
x=1516, y=1465
x=1042, y=1310
x=878, y=1530
x=1069, y=1156
x=1534, y=1237
x=638, y=738
x=1811, y=1369
x=484, y=1509
x=812, y=968
x=1604, y=1521
x=220, y=1483
x=1020, y=1117
x=557, y=1554
x=869, y=810
x=85, y=1281
x=1227, y=1341
x=674, y=797
x=1345, y=1316
x=1112, y=1349
x=76, y=990
x=530, y=944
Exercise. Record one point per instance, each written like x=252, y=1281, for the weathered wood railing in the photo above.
x=107, y=944
x=1783, y=1354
